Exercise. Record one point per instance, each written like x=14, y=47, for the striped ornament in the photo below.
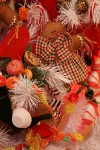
x=94, y=82
x=53, y=91
x=54, y=101
x=55, y=105
x=91, y=114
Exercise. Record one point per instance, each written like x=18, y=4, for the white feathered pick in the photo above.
x=93, y=142
x=55, y=78
x=24, y=95
x=4, y=137
x=68, y=15
x=56, y=146
x=94, y=9
x=37, y=17
x=76, y=116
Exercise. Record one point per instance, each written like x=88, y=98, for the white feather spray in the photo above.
x=68, y=15
x=4, y=137
x=24, y=95
x=55, y=78
x=76, y=116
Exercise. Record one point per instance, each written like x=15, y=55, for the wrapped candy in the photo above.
x=33, y=141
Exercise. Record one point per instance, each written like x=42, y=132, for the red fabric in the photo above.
x=43, y=130
x=93, y=33
x=13, y=47
x=33, y=48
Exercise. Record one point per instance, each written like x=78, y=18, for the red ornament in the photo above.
x=11, y=81
x=15, y=43
x=2, y=81
x=43, y=130
x=50, y=6
x=73, y=98
x=15, y=67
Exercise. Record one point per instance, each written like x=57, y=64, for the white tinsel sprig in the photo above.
x=55, y=79
x=68, y=16
x=24, y=95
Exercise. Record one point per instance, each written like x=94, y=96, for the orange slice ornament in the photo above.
x=31, y=59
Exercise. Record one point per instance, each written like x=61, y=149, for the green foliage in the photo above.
x=4, y=62
x=39, y=75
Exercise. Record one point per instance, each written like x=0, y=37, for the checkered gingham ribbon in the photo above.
x=57, y=53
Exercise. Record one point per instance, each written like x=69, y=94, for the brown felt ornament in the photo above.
x=45, y=109
x=55, y=46
x=52, y=29
x=7, y=15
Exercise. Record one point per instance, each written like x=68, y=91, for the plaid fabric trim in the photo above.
x=57, y=53
x=44, y=47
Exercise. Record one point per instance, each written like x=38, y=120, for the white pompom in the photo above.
x=21, y=118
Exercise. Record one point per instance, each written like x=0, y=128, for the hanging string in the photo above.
x=16, y=32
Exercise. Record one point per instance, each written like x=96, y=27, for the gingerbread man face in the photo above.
x=52, y=29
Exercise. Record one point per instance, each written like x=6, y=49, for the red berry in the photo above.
x=15, y=67
x=73, y=98
x=2, y=81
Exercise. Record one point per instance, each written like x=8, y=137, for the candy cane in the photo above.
x=94, y=82
x=91, y=113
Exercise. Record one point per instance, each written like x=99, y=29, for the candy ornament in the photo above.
x=92, y=112
x=94, y=78
x=79, y=137
x=33, y=141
